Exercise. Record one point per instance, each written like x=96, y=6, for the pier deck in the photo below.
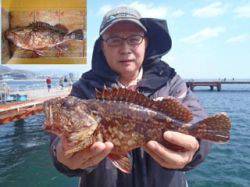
x=212, y=84
x=15, y=111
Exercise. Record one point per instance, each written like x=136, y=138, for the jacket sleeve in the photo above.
x=179, y=90
x=54, y=141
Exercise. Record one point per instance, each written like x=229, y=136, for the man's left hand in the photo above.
x=172, y=159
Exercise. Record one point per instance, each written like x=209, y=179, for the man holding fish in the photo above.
x=128, y=55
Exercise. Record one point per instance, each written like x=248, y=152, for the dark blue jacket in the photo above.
x=159, y=80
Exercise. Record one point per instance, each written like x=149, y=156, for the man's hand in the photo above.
x=86, y=158
x=172, y=159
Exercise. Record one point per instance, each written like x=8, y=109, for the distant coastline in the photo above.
x=26, y=80
x=219, y=79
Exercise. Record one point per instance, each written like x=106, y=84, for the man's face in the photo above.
x=125, y=59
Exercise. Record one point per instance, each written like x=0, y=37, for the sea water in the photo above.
x=25, y=160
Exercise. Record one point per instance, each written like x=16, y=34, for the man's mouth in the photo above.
x=126, y=61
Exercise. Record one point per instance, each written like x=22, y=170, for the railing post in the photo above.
x=218, y=86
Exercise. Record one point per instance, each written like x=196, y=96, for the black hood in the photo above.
x=159, y=39
x=155, y=72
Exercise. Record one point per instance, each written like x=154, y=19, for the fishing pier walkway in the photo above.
x=14, y=111
x=212, y=84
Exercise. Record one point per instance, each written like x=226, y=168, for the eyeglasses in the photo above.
x=116, y=41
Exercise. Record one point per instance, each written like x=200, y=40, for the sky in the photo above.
x=211, y=39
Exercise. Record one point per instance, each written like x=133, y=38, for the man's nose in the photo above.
x=125, y=47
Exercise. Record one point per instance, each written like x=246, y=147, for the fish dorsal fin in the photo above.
x=43, y=25
x=122, y=94
x=61, y=28
x=123, y=163
x=170, y=106
x=175, y=109
x=40, y=24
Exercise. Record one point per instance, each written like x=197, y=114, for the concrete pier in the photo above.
x=212, y=84
x=19, y=110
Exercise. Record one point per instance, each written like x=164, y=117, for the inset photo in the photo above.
x=43, y=32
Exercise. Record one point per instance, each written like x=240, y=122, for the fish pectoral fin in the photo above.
x=62, y=47
x=39, y=52
x=122, y=162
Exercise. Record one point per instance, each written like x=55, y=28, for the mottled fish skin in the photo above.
x=129, y=126
x=128, y=120
x=40, y=35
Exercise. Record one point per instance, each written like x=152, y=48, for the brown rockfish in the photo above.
x=39, y=35
x=128, y=119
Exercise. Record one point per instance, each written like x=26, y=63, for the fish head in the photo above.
x=80, y=112
x=10, y=35
x=16, y=35
x=72, y=119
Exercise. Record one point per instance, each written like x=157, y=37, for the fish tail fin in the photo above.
x=76, y=35
x=215, y=128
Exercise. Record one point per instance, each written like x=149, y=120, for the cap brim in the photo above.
x=137, y=22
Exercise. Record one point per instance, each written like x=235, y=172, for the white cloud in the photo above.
x=239, y=38
x=147, y=10
x=150, y=10
x=203, y=35
x=104, y=9
x=212, y=10
x=153, y=11
x=177, y=13
x=243, y=11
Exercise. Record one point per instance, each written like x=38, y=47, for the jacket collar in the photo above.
x=156, y=76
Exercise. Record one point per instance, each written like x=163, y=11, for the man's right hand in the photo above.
x=86, y=158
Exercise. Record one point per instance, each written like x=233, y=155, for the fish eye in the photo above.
x=67, y=104
x=94, y=112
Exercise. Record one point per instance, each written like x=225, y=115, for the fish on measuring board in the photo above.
x=129, y=120
x=38, y=36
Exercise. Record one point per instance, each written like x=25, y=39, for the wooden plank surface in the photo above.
x=15, y=111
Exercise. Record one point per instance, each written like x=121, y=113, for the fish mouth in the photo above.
x=9, y=35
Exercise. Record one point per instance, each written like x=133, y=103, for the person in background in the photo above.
x=70, y=83
x=65, y=80
x=48, y=82
x=4, y=92
x=128, y=54
x=61, y=83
